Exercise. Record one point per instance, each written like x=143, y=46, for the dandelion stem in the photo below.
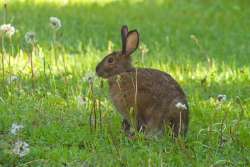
x=91, y=112
x=65, y=69
x=32, y=66
x=238, y=101
x=55, y=49
x=221, y=128
x=10, y=70
x=94, y=108
x=94, y=103
x=64, y=61
x=44, y=66
x=90, y=121
x=3, y=55
x=100, y=114
x=180, y=124
x=3, y=48
x=136, y=88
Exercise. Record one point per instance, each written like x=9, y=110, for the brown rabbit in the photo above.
x=153, y=97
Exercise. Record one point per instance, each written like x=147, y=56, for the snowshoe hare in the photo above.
x=149, y=99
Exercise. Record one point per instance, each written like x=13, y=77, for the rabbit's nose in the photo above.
x=97, y=70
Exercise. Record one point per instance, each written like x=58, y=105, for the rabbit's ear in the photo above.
x=132, y=42
x=124, y=33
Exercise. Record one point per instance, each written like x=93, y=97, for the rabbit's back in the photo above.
x=144, y=83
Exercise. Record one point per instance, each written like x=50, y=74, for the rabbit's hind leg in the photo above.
x=153, y=125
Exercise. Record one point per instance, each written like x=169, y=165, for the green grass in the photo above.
x=180, y=36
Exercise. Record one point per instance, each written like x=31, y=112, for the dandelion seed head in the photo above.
x=21, y=148
x=221, y=98
x=143, y=48
x=30, y=37
x=194, y=38
x=15, y=128
x=181, y=106
x=7, y=29
x=12, y=78
x=89, y=77
x=55, y=23
x=81, y=100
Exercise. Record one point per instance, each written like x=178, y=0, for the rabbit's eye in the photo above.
x=110, y=60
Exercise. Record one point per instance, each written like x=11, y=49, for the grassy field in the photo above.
x=204, y=45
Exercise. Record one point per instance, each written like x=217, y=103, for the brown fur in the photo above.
x=148, y=95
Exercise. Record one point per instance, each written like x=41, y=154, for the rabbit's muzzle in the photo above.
x=99, y=72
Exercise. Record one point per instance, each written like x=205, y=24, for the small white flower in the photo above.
x=21, y=148
x=7, y=29
x=15, y=128
x=181, y=106
x=143, y=48
x=12, y=79
x=221, y=98
x=81, y=100
x=55, y=23
x=89, y=77
x=30, y=37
